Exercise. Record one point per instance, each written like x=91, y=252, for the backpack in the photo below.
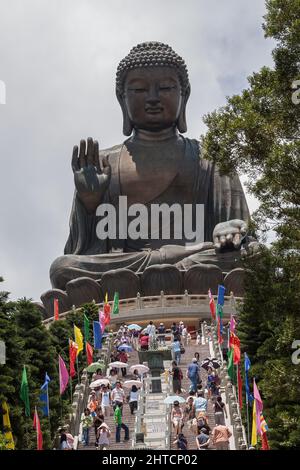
x=182, y=443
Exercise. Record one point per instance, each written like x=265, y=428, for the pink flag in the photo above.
x=259, y=406
x=63, y=375
x=212, y=305
x=102, y=320
x=232, y=324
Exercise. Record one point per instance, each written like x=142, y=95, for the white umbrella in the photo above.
x=140, y=368
x=130, y=383
x=99, y=382
x=170, y=399
x=118, y=364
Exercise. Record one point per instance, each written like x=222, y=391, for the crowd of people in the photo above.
x=109, y=398
x=194, y=412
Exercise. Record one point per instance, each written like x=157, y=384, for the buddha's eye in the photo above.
x=167, y=87
x=138, y=90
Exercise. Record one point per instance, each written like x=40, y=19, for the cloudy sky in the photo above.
x=58, y=60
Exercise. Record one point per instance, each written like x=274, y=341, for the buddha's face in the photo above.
x=153, y=97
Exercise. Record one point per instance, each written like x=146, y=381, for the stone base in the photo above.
x=167, y=278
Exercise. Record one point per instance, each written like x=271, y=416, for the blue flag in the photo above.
x=221, y=293
x=249, y=397
x=97, y=335
x=44, y=396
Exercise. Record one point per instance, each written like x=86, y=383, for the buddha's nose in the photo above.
x=153, y=96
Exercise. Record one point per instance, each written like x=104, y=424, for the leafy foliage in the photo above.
x=258, y=133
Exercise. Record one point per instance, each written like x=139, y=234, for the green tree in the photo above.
x=257, y=133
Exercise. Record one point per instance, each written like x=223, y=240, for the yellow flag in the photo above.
x=254, y=430
x=78, y=339
x=7, y=428
x=106, y=298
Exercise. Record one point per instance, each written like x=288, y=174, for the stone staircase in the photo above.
x=186, y=359
x=152, y=420
x=128, y=419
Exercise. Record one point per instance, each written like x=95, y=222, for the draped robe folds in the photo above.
x=197, y=181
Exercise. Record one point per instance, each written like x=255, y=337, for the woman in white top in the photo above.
x=105, y=401
x=113, y=378
x=177, y=417
x=133, y=399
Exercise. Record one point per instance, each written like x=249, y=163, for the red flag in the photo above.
x=56, y=310
x=212, y=305
x=234, y=343
x=264, y=442
x=106, y=310
x=240, y=387
x=37, y=426
x=73, y=347
x=89, y=353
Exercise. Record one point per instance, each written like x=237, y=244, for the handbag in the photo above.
x=182, y=350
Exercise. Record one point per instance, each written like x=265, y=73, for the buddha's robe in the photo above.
x=193, y=180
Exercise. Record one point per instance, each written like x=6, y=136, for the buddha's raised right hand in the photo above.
x=91, y=181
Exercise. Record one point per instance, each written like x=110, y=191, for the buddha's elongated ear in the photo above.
x=181, y=123
x=127, y=124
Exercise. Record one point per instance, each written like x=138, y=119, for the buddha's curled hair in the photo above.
x=152, y=54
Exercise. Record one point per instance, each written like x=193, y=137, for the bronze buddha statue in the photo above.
x=155, y=165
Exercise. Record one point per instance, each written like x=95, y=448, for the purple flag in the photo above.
x=232, y=324
x=63, y=375
x=259, y=406
x=102, y=320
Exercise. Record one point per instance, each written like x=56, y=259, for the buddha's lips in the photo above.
x=154, y=110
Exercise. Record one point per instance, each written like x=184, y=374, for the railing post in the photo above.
x=186, y=298
x=162, y=298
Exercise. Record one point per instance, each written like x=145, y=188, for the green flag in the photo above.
x=24, y=393
x=220, y=311
x=230, y=366
x=116, y=303
x=86, y=328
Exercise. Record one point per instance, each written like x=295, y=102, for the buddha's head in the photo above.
x=152, y=87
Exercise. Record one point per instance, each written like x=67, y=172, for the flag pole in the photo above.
x=48, y=405
x=247, y=405
x=71, y=389
x=248, y=425
x=77, y=370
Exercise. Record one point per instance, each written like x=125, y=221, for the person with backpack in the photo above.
x=133, y=399
x=135, y=339
x=176, y=350
x=176, y=372
x=161, y=334
x=202, y=440
x=220, y=410
x=87, y=422
x=181, y=442
x=192, y=374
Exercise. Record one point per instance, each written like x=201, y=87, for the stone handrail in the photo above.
x=161, y=301
x=230, y=393
x=80, y=398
